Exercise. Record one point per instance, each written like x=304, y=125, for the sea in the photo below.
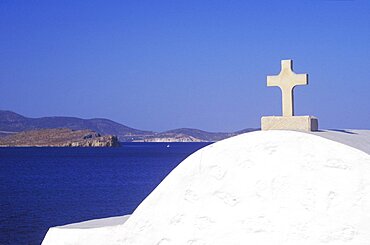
x=52, y=186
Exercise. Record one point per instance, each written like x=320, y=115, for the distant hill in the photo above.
x=11, y=122
x=59, y=137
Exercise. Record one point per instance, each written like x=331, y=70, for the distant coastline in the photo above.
x=12, y=123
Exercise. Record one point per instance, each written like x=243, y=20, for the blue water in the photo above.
x=44, y=187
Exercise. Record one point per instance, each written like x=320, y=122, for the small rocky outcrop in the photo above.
x=60, y=137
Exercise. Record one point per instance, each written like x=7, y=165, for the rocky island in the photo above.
x=59, y=137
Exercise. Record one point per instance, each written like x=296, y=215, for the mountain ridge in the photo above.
x=11, y=122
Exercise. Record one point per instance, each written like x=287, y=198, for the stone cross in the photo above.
x=286, y=81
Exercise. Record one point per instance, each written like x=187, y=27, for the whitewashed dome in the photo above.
x=265, y=187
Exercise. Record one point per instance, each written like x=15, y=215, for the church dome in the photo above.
x=265, y=187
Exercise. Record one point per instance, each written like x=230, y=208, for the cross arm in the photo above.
x=300, y=79
x=273, y=81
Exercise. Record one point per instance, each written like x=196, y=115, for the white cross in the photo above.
x=286, y=81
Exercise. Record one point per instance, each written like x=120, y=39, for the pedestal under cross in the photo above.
x=286, y=81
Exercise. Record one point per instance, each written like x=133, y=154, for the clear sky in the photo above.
x=160, y=65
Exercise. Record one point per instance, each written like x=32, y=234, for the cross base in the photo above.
x=298, y=123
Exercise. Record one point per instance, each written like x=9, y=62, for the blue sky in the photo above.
x=160, y=65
